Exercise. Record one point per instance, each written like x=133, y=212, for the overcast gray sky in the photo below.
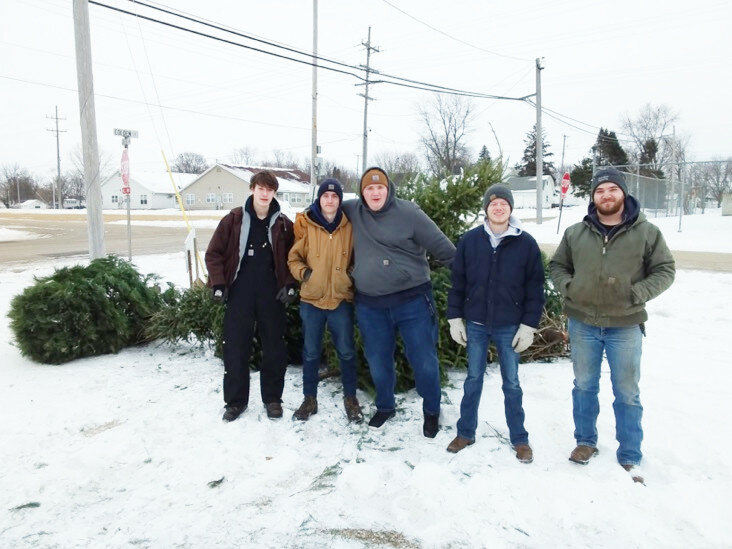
x=602, y=60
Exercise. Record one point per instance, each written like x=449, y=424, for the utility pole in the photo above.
x=87, y=117
x=564, y=143
x=539, y=146
x=366, y=98
x=314, y=131
x=58, y=162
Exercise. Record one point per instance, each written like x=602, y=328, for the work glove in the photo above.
x=218, y=293
x=457, y=331
x=306, y=274
x=523, y=339
x=286, y=294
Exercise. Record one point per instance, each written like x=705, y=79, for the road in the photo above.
x=66, y=235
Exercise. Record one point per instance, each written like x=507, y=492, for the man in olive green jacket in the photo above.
x=607, y=267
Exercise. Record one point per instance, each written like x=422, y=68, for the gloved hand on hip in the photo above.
x=523, y=339
x=458, y=331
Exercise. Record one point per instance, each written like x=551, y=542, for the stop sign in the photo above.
x=565, y=183
x=125, y=168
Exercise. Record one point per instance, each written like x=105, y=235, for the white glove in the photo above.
x=523, y=339
x=457, y=331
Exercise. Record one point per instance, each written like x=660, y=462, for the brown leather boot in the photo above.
x=634, y=474
x=582, y=454
x=308, y=407
x=274, y=410
x=524, y=453
x=458, y=443
x=353, y=409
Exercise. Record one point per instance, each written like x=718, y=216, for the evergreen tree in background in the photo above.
x=581, y=175
x=484, y=155
x=527, y=166
x=609, y=151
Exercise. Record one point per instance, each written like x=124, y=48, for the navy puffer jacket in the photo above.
x=497, y=287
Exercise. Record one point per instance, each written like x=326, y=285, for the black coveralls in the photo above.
x=252, y=300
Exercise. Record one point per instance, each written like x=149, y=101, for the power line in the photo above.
x=392, y=79
x=454, y=37
x=180, y=109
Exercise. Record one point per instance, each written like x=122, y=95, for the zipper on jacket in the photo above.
x=604, y=245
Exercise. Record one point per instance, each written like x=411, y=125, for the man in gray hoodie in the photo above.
x=391, y=238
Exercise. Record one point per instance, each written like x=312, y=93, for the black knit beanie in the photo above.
x=497, y=191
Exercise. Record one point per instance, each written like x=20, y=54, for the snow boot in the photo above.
x=458, y=443
x=308, y=407
x=380, y=418
x=524, y=453
x=274, y=410
x=431, y=425
x=353, y=409
x=232, y=412
x=583, y=454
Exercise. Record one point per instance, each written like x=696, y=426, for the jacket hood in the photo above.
x=631, y=213
x=391, y=197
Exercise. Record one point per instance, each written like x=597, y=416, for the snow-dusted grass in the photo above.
x=119, y=451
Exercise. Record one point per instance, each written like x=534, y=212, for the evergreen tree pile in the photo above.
x=84, y=311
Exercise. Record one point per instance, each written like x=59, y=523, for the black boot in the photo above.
x=380, y=418
x=431, y=425
x=232, y=412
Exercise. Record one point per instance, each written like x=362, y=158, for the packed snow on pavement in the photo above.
x=130, y=450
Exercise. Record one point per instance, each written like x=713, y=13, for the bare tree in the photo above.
x=715, y=179
x=282, y=159
x=243, y=156
x=401, y=166
x=189, y=162
x=17, y=185
x=652, y=134
x=446, y=123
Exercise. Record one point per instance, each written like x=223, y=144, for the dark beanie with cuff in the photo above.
x=608, y=175
x=332, y=185
x=498, y=191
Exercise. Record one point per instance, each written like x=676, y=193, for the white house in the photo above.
x=224, y=186
x=524, y=191
x=33, y=204
x=148, y=190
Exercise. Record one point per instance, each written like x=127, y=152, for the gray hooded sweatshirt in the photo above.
x=390, y=245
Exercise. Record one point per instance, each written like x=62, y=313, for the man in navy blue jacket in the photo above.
x=498, y=288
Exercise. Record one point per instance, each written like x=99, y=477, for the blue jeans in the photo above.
x=416, y=322
x=340, y=325
x=623, y=349
x=479, y=338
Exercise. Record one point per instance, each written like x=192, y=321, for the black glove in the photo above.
x=218, y=293
x=306, y=274
x=287, y=294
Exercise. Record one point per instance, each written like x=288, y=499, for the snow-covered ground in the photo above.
x=129, y=449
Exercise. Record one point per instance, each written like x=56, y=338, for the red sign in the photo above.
x=125, y=169
x=125, y=190
x=565, y=183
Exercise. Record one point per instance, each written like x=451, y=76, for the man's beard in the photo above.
x=610, y=208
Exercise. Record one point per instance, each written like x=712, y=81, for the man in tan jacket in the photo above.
x=321, y=260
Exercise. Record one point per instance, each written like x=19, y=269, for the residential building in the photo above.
x=223, y=187
x=148, y=190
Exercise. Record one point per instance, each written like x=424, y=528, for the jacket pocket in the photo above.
x=315, y=287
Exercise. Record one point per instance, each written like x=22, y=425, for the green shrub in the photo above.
x=84, y=311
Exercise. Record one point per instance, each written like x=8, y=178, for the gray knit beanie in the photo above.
x=608, y=175
x=497, y=191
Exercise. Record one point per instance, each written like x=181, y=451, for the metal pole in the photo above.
x=314, y=132
x=82, y=39
x=366, y=104
x=539, y=147
x=681, y=199
x=58, y=167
